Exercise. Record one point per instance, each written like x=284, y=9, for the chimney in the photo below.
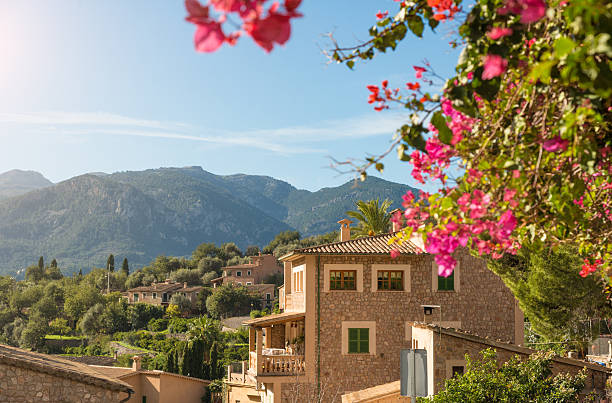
x=345, y=229
x=135, y=363
x=395, y=226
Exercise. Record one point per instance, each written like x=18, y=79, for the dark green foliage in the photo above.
x=157, y=325
x=517, y=381
x=230, y=300
x=140, y=314
x=34, y=274
x=285, y=242
x=54, y=263
x=125, y=267
x=41, y=263
x=252, y=250
x=110, y=262
x=554, y=298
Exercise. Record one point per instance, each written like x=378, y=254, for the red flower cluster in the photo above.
x=274, y=28
x=588, y=267
x=381, y=95
x=444, y=9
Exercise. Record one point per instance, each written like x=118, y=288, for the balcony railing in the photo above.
x=276, y=364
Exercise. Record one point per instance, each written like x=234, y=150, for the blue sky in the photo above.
x=115, y=85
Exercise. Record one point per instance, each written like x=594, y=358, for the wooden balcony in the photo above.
x=276, y=365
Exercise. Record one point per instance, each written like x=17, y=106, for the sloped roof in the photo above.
x=274, y=318
x=371, y=245
x=463, y=334
x=60, y=367
x=157, y=287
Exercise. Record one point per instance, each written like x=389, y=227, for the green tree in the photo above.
x=558, y=303
x=372, y=216
x=205, y=250
x=252, y=250
x=91, y=322
x=59, y=326
x=53, y=272
x=282, y=238
x=79, y=299
x=110, y=262
x=230, y=300
x=34, y=274
x=54, y=263
x=33, y=335
x=517, y=381
x=182, y=302
x=140, y=314
x=191, y=277
x=125, y=267
x=41, y=264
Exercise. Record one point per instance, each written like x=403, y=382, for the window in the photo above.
x=359, y=341
x=164, y=297
x=446, y=283
x=342, y=280
x=298, y=279
x=144, y=295
x=457, y=370
x=136, y=297
x=249, y=283
x=238, y=274
x=249, y=273
x=144, y=399
x=268, y=296
x=390, y=280
x=154, y=295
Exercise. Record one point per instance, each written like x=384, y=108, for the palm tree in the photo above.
x=373, y=218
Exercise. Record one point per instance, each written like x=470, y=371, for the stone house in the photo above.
x=156, y=386
x=254, y=272
x=446, y=350
x=252, y=276
x=348, y=309
x=26, y=376
x=161, y=293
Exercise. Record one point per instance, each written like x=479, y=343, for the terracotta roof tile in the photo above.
x=375, y=245
x=59, y=367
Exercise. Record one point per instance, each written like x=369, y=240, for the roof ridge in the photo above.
x=349, y=241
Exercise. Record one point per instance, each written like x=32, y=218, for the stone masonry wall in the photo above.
x=24, y=385
x=483, y=304
x=277, y=332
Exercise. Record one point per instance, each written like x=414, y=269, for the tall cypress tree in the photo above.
x=54, y=263
x=41, y=263
x=214, y=361
x=110, y=262
x=125, y=267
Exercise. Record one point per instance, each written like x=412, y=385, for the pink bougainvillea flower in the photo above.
x=530, y=10
x=555, y=144
x=208, y=37
x=394, y=253
x=533, y=10
x=494, y=66
x=275, y=28
x=413, y=86
x=419, y=71
x=497, y=32
x=196, y=11
x=292, y=5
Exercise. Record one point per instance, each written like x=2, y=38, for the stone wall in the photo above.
x=25, y=385
x=482, y=303
x=277, y=333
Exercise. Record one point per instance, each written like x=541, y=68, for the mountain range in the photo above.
x=142, y=214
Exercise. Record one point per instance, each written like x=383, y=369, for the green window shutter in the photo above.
x=446, y=283
x=359, y=341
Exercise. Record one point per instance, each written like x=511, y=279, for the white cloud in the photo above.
x=293, y=139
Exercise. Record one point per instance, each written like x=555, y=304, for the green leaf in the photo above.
x=350, y=64
x=380, y=166
x=415, y=23
x=444, y=133
x=564, y=46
